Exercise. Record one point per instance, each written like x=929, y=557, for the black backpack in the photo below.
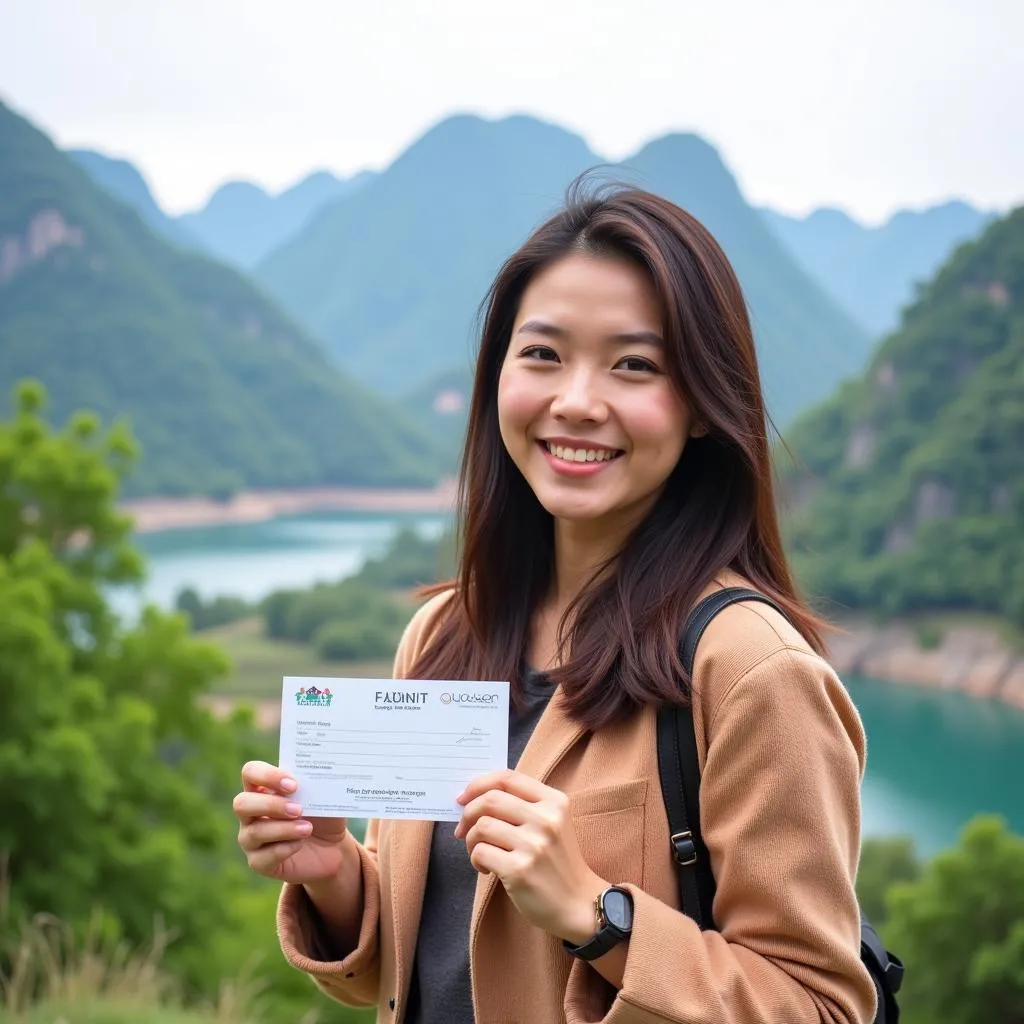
x=680, y=785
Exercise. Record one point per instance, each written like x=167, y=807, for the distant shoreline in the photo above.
x=969, y=658
x=155, y=515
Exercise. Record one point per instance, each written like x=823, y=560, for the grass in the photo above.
x=53, y=979
x=260, y=663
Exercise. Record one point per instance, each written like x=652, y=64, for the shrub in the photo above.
x=352, y=641
x=883, y=862
x=929, y=636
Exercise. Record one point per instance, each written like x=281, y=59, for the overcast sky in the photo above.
x=870, y=105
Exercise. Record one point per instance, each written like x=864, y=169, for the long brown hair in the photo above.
x=716, y=511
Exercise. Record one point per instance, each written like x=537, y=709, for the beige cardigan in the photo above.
x=782, y=753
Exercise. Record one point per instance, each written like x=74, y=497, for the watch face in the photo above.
x=618, y=909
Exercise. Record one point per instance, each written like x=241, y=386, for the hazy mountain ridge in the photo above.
x=242, y=222
x=910, y=491
x=392, y=279
x=873, y=271
x=239, y=224
x=222, y=389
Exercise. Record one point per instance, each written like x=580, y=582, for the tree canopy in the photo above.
x=907, y=491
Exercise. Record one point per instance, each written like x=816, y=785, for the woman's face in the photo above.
x=585, y=405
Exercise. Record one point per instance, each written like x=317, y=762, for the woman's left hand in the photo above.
x=520, y=830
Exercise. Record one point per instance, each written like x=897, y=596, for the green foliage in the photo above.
x=57, y=978
x=929, y=636
x=349, y=641
x=218, y=611
x=222, y=389
x=344, y=621
x=116, y=780
x=908, y=490
x=960, y=930
x=883, y=863
x=410, y=561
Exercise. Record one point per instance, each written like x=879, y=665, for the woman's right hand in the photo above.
x=277, y=841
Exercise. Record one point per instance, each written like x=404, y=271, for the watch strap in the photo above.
x=607, y=937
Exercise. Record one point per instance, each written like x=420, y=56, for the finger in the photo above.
x=492, y=860
x=250, y=805
x=498, y=804
x=495, y=832
x=259, y=775
x=267, y=860
x=267, y=831
x=510, y=781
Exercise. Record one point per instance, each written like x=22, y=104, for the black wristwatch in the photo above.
x=614, y=923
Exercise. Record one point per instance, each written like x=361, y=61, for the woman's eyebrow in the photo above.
x=550, y=330
x=651, y=338
x=542, y=327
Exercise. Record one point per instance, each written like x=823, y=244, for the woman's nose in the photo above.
x=578, y=398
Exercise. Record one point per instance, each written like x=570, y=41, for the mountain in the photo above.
x=242, y=222
x=125, y=181
x=806, y=343
x=222, y=389
x=873, y=271
x=907, y=492
x=392, y=279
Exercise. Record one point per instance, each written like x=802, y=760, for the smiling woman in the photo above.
x=616, y=473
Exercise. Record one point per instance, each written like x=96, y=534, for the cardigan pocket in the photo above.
x=609, y=823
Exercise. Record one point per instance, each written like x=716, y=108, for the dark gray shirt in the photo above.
x=440, y=992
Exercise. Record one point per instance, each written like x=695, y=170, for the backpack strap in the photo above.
x=679, y=767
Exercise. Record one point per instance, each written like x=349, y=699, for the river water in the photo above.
x=934, y=759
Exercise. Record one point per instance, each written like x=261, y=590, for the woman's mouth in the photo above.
x=579, y=461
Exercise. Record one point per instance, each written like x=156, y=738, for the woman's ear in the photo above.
x=699, y=430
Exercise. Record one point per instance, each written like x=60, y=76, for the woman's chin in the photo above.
x=576, y=511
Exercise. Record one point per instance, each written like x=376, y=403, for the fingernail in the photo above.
x=461, y=797
x=293, y=809
x=304, y=827
x=289, y=785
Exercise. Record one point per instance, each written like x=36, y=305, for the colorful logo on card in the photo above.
x=313, y=697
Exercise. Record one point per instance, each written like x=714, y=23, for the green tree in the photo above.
x=116, y=781
x=884, y=862
x=960, y=930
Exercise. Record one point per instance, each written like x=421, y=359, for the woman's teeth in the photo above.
x=580, y=454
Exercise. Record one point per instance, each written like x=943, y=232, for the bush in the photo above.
x=883, y=863
x=410, y=561
x=929, y=636
x=353, y=641
x=219, y=611
x=58, y=980
x=297, y=615
x=960, y=929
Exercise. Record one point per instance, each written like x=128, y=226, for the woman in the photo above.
x=616, y=471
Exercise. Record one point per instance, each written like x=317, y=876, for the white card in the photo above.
x=387, y=748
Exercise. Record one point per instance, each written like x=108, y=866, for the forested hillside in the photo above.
x=910, y=493
x=222, y=389
x=391, y=278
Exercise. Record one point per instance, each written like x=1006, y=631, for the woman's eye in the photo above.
x=539, y=352
x=636, y=364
